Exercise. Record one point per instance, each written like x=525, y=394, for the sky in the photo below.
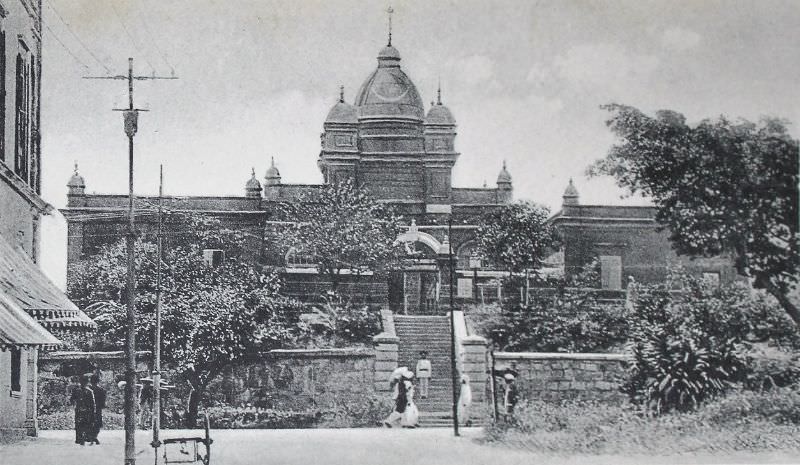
x=524, y=80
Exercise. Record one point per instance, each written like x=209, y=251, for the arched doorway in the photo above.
x=414, y=289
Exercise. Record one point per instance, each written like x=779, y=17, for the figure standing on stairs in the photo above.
x=464, y=401
x=510, y=397
x=423, y=374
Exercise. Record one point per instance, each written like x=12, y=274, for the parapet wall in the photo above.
x=563, y=376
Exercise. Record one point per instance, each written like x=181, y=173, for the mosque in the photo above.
x=403, y=155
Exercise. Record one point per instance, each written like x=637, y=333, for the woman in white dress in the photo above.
x=464, y=401
x=410, y=417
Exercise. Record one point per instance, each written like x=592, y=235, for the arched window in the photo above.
x=465, y=252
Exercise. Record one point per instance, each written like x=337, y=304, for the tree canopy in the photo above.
x=517, y=236
x=211, y=315
x=341, y=227
x=721, y=187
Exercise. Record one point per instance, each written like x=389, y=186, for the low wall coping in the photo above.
x=77, y=355
x=320, y=353
x=385, y=338
x=560, y=356
x=473, y=340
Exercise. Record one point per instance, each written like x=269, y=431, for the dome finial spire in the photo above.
x=253, y=171
x=76, y=166
x=389, y=11
x=341, y=94
x=439, y=92
x=272, y=161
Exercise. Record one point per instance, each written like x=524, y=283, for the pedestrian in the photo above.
x=99, y=405
x=410, y=417
x=398, y=388
x=510, y=397
x=83, y=398
x=146, y=402
x=464, y=401
x=424, y=374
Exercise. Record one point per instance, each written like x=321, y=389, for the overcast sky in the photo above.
x=524, y=81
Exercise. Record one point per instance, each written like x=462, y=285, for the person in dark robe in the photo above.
x=85, y=409
x=510, y=397
x=99, y=405
x=400, y=403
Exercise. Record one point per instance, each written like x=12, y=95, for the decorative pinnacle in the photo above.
x=504, y=164
x=272, y=161
x=253, y=172
x=341, y=94
x=390, y=10
x=439, y=93
x=76, y=167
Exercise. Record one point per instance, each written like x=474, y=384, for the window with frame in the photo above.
x=16, y=370
x=21, y=127
x=3, y=95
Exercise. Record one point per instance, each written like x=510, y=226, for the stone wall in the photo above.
x=562, y=376
x=300, y=380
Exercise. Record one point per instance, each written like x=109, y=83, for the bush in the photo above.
x=356, y=412
x=779, y=406
x=257, y=418
x=338, y=322
x=695, y=343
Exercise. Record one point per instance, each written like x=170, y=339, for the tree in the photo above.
x=342, y=228
x=518, y=237
x=212, y=315
x=720, y=187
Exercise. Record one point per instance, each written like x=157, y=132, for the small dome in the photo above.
x=504, y=177
x=253, y=183
x=76, y=180
x=273, y=176
x=440, y=114
x=342, y=113
x=388, y=56
x=570, y=194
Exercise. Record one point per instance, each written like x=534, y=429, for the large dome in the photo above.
x=388, y=92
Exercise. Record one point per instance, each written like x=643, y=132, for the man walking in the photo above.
x=83, y=398
x=510, y=397
x=99, y=405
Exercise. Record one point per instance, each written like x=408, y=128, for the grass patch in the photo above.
x=741, y=421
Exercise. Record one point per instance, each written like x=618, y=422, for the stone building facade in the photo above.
x=32, y=309
x=384, y=141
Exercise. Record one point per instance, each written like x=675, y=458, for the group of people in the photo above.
x=405, y=412
x=89, y=400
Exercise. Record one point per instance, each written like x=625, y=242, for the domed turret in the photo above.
x=253, y=188
x=273, y=176
x=388, y=92
x=342, y=112
x=439, y=114
x=504, y=187
x=570, y=196
x=76, y=184
x=504, y=177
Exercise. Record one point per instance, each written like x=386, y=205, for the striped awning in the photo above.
x=17, y=328
x=25, y=285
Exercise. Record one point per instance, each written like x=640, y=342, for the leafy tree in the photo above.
x=343, y=228
x=518, y=237
x=720, y=187
x=212, y=316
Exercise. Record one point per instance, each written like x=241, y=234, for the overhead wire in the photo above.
x=77, y=38
x=64, y=46
x=130, y=36
x=153, y=41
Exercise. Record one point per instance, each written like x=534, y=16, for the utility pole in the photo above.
x=157, y=357
x=452, y=325
x=131, y=117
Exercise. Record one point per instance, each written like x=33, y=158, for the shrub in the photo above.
x=257, y=418
x=338, y=322
x=692, y=344
x=356, y=411
x=779, y=406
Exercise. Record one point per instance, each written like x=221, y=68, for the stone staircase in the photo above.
x=432, y=334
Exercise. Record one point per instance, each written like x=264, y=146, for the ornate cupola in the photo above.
x=273, y=176
x=570, y=196
x=252, y=189
x=76, y=184
x=504, y=188
x=440, y=153
x=339, y=141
